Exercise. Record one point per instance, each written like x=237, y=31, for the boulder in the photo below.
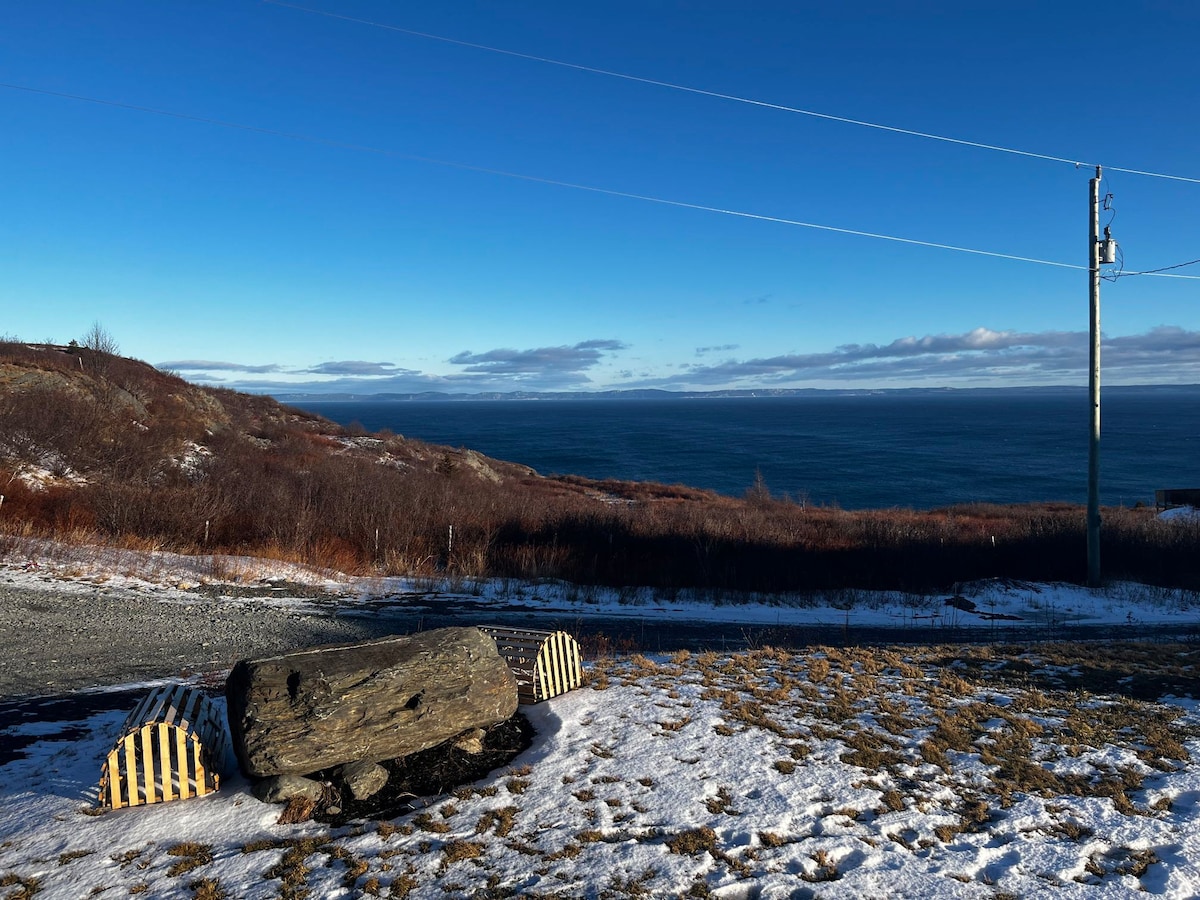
x=285, y=788
x=315, y=709
x=363, y=778
x=472, y=742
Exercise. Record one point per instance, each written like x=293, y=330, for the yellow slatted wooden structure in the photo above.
x=545, y=663
x=172, y=746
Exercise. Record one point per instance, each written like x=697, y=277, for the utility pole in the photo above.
x=1093, y=507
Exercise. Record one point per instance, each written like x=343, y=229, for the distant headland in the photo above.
x=654, y=394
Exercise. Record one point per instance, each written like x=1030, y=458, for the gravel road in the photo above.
x=55, y=641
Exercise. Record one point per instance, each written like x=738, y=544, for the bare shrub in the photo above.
x=280, y=481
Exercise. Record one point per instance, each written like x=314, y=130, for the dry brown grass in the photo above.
x=457, y=851
x=207, y=889
x=298, y=809
x=292, y=870
x=191, y=855
x=287, y=485
x=826, y=869
x=693, y=842
x=872, y=751
x=501, y=821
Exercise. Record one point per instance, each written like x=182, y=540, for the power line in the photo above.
x=730, y=97
x=382, y=151
x=1163, y=269
x=524, y=177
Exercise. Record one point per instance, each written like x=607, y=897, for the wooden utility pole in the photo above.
x=1093, y=508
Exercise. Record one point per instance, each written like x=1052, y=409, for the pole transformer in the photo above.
x=1093, y=507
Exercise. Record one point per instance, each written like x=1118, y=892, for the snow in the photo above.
x=730, y=774
x=172, y=577
x=1186, y=515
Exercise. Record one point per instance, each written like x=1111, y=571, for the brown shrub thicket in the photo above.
x=279, y=482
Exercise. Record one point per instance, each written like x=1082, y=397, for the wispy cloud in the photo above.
x=546, y=365
x=208, y=365
x=358, y=369
x=980, y=356
x=499, y=370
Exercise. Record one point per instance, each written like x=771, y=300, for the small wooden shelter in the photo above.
x=172, y=746
x=544, y=663
x=1168, y=498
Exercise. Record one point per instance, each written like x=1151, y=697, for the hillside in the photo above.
x=97, y=442
x=94, y=446
x=77, y=413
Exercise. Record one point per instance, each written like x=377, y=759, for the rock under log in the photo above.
x=313, y=709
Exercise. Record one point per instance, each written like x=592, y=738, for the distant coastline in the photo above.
x=857, y=449
x=747, y=394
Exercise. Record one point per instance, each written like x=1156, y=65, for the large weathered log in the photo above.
x=304, y=711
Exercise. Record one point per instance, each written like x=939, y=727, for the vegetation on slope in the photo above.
x=94, y=445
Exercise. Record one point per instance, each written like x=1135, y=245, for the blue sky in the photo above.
x=381, y=250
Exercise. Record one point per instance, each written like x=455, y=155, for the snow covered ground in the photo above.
x=833, y=773
x=173, y=577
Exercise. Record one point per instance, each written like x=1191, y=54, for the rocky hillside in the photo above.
x=94, y=446
x=98, y=445
x=70, y=416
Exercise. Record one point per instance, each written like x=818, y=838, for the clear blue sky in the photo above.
x=260, y=261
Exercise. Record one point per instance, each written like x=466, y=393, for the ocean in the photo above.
x=919, y=449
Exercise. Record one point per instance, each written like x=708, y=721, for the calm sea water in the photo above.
x=920, y=450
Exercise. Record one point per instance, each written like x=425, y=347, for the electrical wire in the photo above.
x=365, y=148
x=1107, y=206
x=1162, y=270
x=1119, y=273
x=722, y=96
x=533, y=178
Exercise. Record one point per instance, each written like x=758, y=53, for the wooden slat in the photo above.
x=578, y=658
x=560, y=662
x=113, y=771
x=136, y=714
x=172, y=747
x=573, y=665
x=512, y=632
x=553, y=655
x=193, y=711
x=152, y=707
x=164, y=760
x=198, y=769
x=527, y=654
x=569, y=662
x=542, y=685
x=560, y=669
x=546, y=664
x=131, y=779
x=181, y=763
x=145, y=734
x=175, y=713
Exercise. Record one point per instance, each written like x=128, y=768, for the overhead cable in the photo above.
x=730, y=97
x=365, y=148
x=1164, y=269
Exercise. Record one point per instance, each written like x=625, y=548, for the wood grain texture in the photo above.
x=301, y=712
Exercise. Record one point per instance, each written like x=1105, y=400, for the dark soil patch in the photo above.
x=415, y=779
